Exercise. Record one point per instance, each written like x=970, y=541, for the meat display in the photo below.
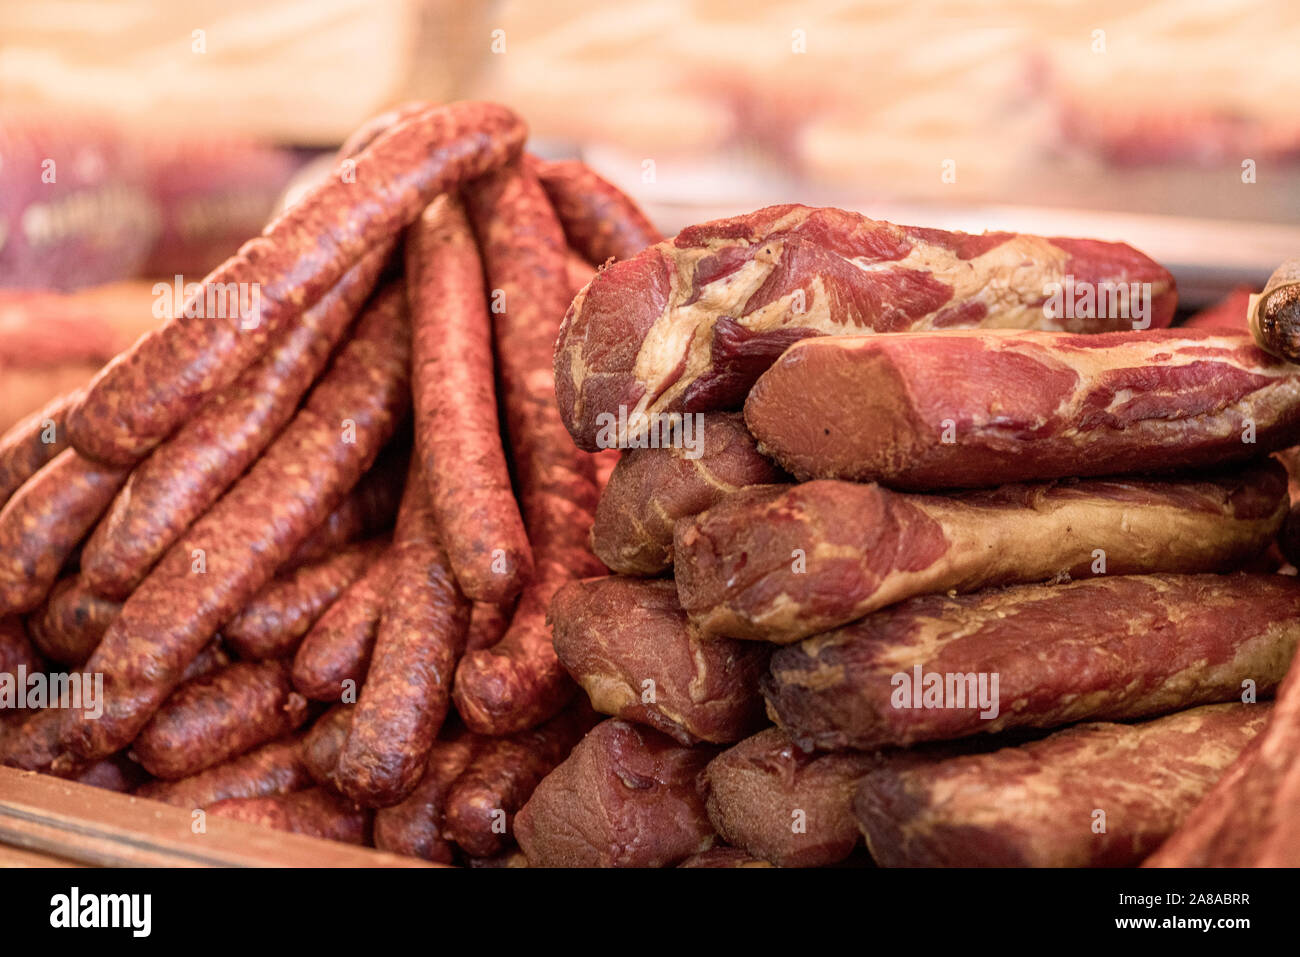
x=965, y=409
x=1023, y=806
x=937, y=668
x=628, y=644
x=501, y=531
x=779, y=563
x=687, y=325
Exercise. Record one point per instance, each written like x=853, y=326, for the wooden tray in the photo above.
x=46, y=821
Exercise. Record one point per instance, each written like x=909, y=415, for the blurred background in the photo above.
x=148, y=139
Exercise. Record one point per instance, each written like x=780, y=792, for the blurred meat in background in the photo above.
x=85, y=201
x=52, y=342
x=144, y=139
x=1134, y=105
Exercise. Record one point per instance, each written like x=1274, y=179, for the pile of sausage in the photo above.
x=1001, y=595
x=307, y=532
x=898, y=550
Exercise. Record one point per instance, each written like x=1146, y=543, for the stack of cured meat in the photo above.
x=1003, y=595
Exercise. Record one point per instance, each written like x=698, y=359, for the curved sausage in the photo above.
x=44, y=521
x=332, y=661
x=31, y=442
x=487, y=624
x=274, y=768
x=323, y=743
x=600, y=221
x=145, y=393
x=187, y=473
x=233, y=550
x=458, y=437
x=217, y=716
x=408, y=687
x=15, y=648
x=480, y=807
x=274, y=621
x=368, y=509
x=415, y=826
x=519, y=682
x=68, y=627
x=314, y=812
